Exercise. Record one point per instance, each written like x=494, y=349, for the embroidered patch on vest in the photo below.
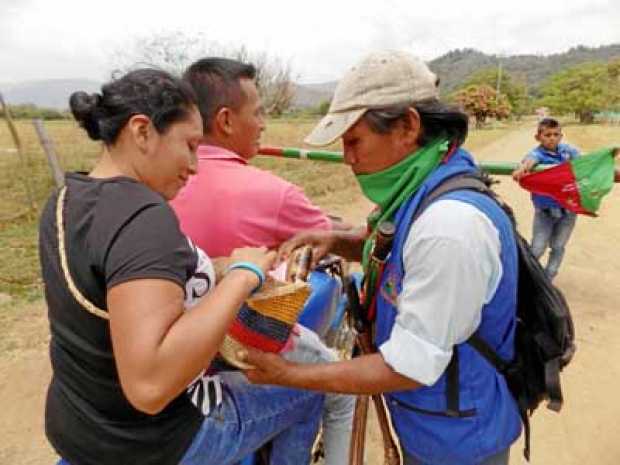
x=389, y=289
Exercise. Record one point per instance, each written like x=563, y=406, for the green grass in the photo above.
x=19, y=266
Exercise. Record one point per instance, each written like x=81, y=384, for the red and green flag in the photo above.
x=578, y=185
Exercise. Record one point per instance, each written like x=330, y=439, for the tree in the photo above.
x=174, y=51
x=514, y=90
x=324, y=107
x=275, y=83
x=583, y=90
x=482, y=102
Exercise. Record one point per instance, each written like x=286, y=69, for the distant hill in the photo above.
x=49, y=93
x=453, y=68
x=456, y=66
x=311, y=95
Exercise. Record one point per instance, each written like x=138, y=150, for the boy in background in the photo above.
x=553, y=224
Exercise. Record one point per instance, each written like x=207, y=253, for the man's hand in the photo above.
x=348, y=244
x=267, y=368
x=339, y=224
x=321, y=241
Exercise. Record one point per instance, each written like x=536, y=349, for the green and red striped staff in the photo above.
x=302, y=154
x=336, y=157
x=578, y=185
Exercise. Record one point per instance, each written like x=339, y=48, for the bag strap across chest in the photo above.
x=64, y=264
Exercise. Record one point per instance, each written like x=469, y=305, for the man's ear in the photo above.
x=412, y=127
x=537, y=136
x=223, y=121
x=141, y=130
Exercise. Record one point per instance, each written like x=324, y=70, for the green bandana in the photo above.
x=390, y=188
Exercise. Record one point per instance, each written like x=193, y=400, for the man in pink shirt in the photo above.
x=230, y=204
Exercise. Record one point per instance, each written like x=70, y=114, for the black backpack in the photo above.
x=544, y=337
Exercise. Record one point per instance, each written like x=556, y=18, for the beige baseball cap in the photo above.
x=379, y=80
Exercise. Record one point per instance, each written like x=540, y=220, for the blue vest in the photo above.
x=489, y=420
x=564, y=152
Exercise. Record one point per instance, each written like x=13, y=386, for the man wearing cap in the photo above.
x=452, y=271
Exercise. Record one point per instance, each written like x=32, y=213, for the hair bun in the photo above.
x=86, y=109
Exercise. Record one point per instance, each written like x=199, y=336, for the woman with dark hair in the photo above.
x=451, y=273
x=134, y=312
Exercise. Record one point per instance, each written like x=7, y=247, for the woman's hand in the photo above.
x=220, y=265
x=259, y=256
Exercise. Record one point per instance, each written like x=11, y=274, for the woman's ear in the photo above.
x=141, y=130
x=223, y=121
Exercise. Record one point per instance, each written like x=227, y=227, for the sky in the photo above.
x=321, y=39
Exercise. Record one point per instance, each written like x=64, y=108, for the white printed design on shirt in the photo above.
x=205, y=391
x=202, y=280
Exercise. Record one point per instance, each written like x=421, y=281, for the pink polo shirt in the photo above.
x=230, y=204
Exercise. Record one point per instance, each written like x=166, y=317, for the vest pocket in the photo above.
x=461, y=414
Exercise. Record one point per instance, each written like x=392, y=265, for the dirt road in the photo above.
x=586, y=431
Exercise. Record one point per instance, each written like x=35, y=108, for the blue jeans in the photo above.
x=552, y=228
x=249, y=416
x=252, y=415
x=497, y=459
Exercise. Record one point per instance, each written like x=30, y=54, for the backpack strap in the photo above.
x=484, y=349
x=473, y=182
x=504, y=368
x=552, y=384
x=453, y=396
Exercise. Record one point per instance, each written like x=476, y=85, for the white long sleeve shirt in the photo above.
x=452, y=269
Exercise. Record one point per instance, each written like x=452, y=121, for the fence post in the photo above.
x=50, y=152
x=18, y=145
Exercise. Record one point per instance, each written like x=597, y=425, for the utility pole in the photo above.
x=498, y=86
x=499, y=77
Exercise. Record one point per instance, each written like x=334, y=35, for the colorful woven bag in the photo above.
x=266, y=319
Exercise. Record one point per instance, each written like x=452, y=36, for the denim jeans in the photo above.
x=251, y=415
x=552, y=228
x=501, y=458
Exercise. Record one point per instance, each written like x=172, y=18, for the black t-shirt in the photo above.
x=115, y=230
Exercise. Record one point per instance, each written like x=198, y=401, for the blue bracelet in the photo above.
x=250, y=267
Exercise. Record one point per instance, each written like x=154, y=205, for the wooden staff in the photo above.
x=392, y=454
